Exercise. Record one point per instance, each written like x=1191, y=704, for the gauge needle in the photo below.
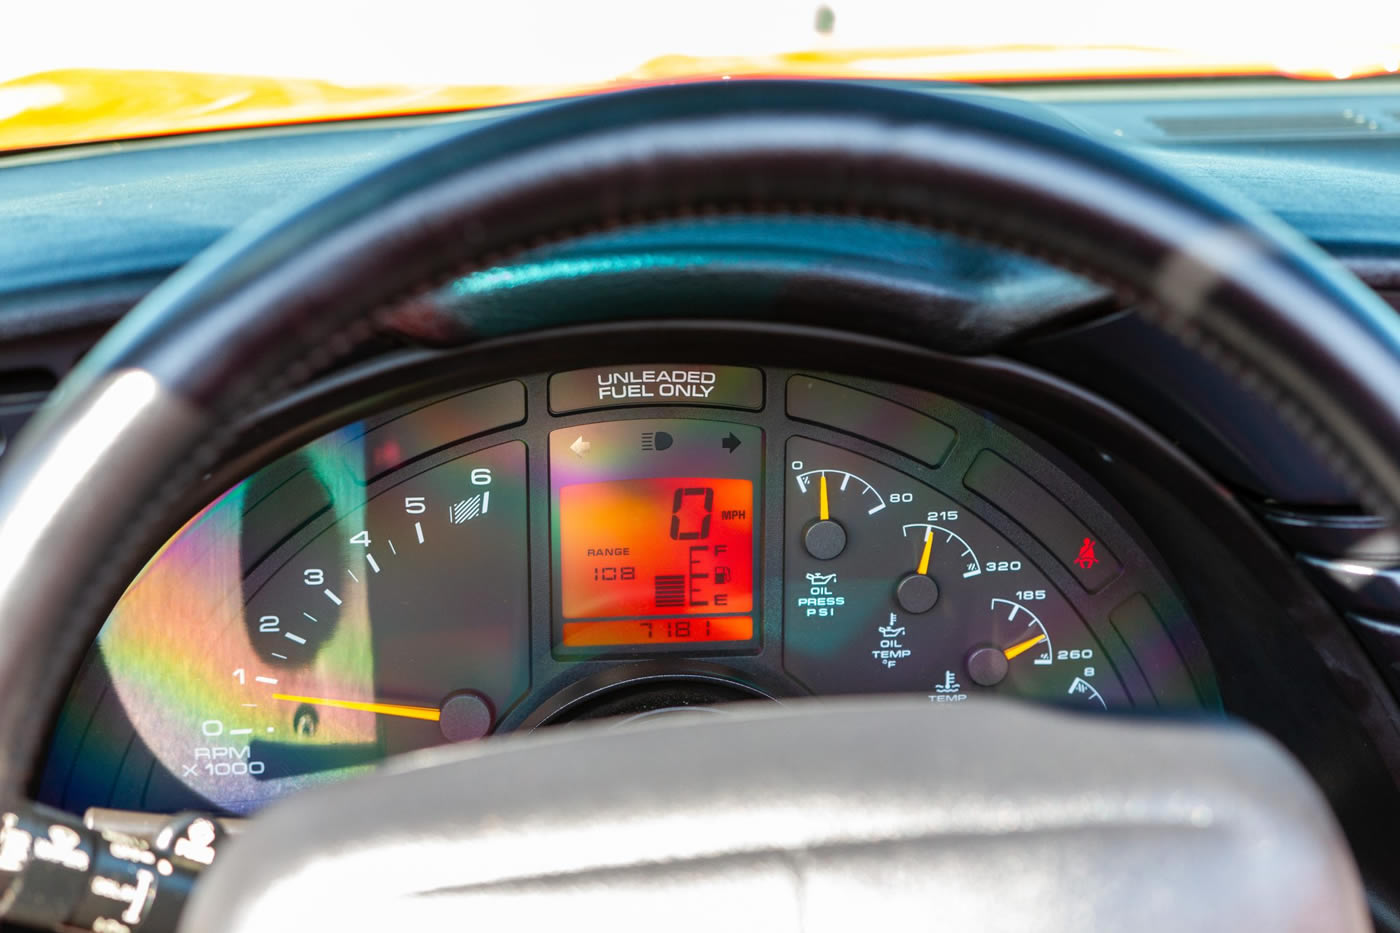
x=928, y=549
x=431, y=713
x=1023, y=646
x=826, y=506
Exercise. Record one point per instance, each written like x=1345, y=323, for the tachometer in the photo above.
x=398, y=623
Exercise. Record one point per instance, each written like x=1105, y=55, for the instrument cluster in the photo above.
x=627, y=541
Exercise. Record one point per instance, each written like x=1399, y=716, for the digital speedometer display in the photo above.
x=655, y=534
x=656, y=547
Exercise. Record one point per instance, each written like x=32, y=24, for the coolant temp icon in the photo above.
x=949, y=691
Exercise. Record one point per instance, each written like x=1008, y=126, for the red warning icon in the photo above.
x=1087, y=558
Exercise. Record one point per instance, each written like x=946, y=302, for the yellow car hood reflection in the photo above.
x=90, y=105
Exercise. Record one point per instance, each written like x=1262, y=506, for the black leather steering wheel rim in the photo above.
x=152, y=405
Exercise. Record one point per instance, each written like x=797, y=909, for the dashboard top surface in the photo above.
x=138, y=209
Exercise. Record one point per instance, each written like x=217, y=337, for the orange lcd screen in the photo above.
x=641, y=548
x=656, y=631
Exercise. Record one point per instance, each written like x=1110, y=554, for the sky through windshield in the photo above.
x=78, y=70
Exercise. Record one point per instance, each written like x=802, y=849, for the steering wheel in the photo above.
x=807, y=818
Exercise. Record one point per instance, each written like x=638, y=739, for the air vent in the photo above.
x=22, y=391
x=1254, y=125
x=25, y=382
x=30, y=367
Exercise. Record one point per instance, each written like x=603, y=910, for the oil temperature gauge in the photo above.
x=893, y=586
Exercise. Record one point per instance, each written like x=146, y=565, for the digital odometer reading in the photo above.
x=649, y=548
x=657, y=631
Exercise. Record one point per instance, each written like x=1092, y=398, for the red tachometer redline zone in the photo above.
x=656, y=547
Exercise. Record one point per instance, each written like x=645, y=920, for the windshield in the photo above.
x=88, y=71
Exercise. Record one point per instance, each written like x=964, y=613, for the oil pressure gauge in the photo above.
x=892, y=586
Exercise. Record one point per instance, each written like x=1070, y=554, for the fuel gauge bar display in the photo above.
x=654, y=534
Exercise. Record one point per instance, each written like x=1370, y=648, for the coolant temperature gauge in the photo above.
x=891, y=586
x=988, y=666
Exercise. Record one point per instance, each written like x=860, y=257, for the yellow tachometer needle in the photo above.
x=1022, y=647
x=431, y=713
x=826, y=506
x=928, y=549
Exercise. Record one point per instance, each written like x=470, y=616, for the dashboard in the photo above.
x=623, y=541
x=678, y=468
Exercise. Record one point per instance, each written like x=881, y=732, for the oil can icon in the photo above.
x=821, y=583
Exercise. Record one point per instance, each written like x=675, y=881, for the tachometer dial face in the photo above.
x=891, y=585
x=396, y=624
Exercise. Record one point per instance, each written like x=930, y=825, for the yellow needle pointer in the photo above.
x=430, y=713
x=826, y=506
x=928, y=549
x=1022, y=647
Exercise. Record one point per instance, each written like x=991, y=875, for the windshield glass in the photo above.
x=86, y=71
